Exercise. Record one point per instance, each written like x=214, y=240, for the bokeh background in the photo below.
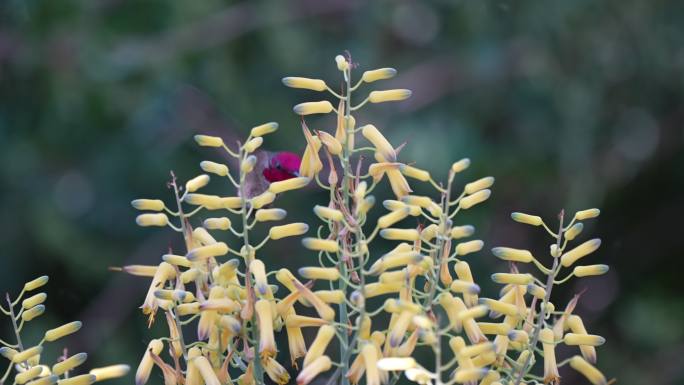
x=569, y=104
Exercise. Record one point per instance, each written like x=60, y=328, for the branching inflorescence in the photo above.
x=26, y=360
x=429, y=292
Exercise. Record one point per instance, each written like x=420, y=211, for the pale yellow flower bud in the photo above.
x=208, y=141
x=148, y=204
x=263, y=199
x=378, y=74
x=68, y=364
x=417, y=200
x=587, y=214
x=36, y=283
x=197, y=183
x=188, y=308
x=289, y=184
x=469, y=247
x=33, y=313
x=83, y=379
x=331, y=296
x=394, y=234
x=583, y=339
x=389, y=95
x=536, y=291
x=342, y=63
x=33, y=300
x=7, y=352
x=322, y=107
x=591, y=270
x=580, y=251
x=328, y=213
x=174, y=295
x=266, y=215
x=514, y=255
x=472, y=200
x=210, y=202
x=320, y=343
x=590, y=372
x=264, y=129
x=253, y=144
x=554, y=250
x=469, y=375
x=305, y=83
x=514, y=279
x=473, y=312
x=330, y=142
x=378, y=288
x=574, y=231
x=248, y=165
x=267, y=346
x=177, y=260
x=316, y=367
x=458, y=232
x=289, y=230
x=28, y=375
x=369, y=353
x=527, y=219
x=396, y=363
x=379, y=141
x=258, y=269
x=551, y=375
x=460, y=165
x=26, y=354
x=62, y=331
x=318, y=244
x=322, y=273
x=146, y=220
x=479, y=184
x=501, y=329
x=460, y=286
x=415, y=173
x=206, y=252
x=365, y=205
x=500, y=306
x=109, y=372
x=189, y=275
x=222, y=223
x=388, y=220
x=575, y=324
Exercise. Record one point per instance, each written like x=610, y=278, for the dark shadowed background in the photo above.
x=569, y=104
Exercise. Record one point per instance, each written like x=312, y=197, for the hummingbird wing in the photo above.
x=255, y=183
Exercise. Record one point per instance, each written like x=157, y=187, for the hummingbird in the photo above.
x=271, y=167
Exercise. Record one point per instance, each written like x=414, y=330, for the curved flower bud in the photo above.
x=146, y=220
x=389, y=95
x=110, y=372
x=590, y=372
x=266, y=215
x=513, y=255
x=328, y=213
x=253, y=144
x=208, y=141
x=33, y=313
x=480, y=184
x=471, y=200
x=469, y=247
x=197, y=183
x=400, y=234
x=460, y=166
x=26, y=354
x=587, y=214
x=591, y=270
x=148, y=204
x=318, y=244
x=205, y=252
x=527, y=219
x=68, y=364
x=322, y=273
x=36, y=283
x=415, y=173
x=458, y=232
x=62, y=331
x=264, y=129
x=379, y=141
x=378, y=74
x=305, y=83
x=222, y=223
x=583, y=339
x=322, y=107
x=316, y=367
x=514, y=279
x=393, y=217
x=33, y=300
x=580, y=251
x=289, y=184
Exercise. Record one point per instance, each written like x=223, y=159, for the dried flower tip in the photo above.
x=197, y=183
x=527, y=219
x=33, y=300
x=472, y=200
x=400, y=234
x=472, y=313
x=146, y=220
x=320, y=343
x=26, y=354
x=62, y=331
x=379, y=141
x=469, y=247
x=501, y=329
x=206, y=252
x=318, y=244
x=580, y=251
x=148, y=204
x=253, y=144
x=574, y=231
x=289, y=184
x=513, y=255
x=591, y=270
x=316, y=367
x=322, y=107
x=536, y=291
x=514, y=279
x=248, y=165
x=378, y=74
x=28, y=375
x=222, y=223
x=389, y=95
x=460, y=286
x=47, y=380
x=396, y=363
x=415, y=173
x=460, y=166
x=587, y=214
x=388, y=220
x=208, y=141
x=328, y=213
x=68, y=364
x=109, y=372
x=322, y=273
x=458, y=232
x=305, y=83
x=36, y=283
x=478, y=185
x=583, y=339
x=33, y=312
x=590, y=372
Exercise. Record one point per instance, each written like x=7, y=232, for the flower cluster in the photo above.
x=26, y=361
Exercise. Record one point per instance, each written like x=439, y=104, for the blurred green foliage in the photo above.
x=569, y=104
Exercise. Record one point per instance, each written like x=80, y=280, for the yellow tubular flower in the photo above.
x=551, y=375
x=473, y=312
x=289, y=230
x=458, y=232
x=305, y=83
x=208, y=141
x=536, y=291
x=230, y=202
x=83, y=379
x=415, y=173
x=146, y=220
x=460, y=165
x=248, y=165
x=263, y=199
x=197, y=183
x=276, y=372
x=460, y=286
x=380, y=143
x=68, y=364
x=471, y=200
x=267, y=346
x=259, y=271
x=513, y=255
x=288, y=184
x=311, y=163
x=574, y=231
x=295, y=339
x=370, y=360
x=202, y=236
x=330, y=296
x=480, y=184
x=32, y=313
x=36, y=283
x=206, y=370
x=318, y=366
x=205, y=252
x=469, y=247
x=575, y=324
x=300, y=321
x=462, y=270
x=110, y=372
x=375, y=289
x=583, y=339
x=591, y=373
x=214, y=168
x=527, y=219
x=389, y=95
x=400, y=234
x=591, y=270
x=580, y=251
x=146, y=363
x=331, y=143
x=320, y=343
x=322, y=107
x=148, y=204
x=140, y=270
x=328, y=213
x=494, y=328
x=28, y=375
x=264, y=129
x=222, y=223
x=322, y=273
x=451, y=308
x=318, y=244
x=500, y=307
x=324, y=310
x=398, y=183
x=378, y=74
x=62, y=331
x=253, y=144
x=388, y=220
x=514, y=279
x=210, y=202
x=33, y=300
x=587, y=214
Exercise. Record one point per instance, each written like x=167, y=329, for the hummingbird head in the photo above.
x=282, y=166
